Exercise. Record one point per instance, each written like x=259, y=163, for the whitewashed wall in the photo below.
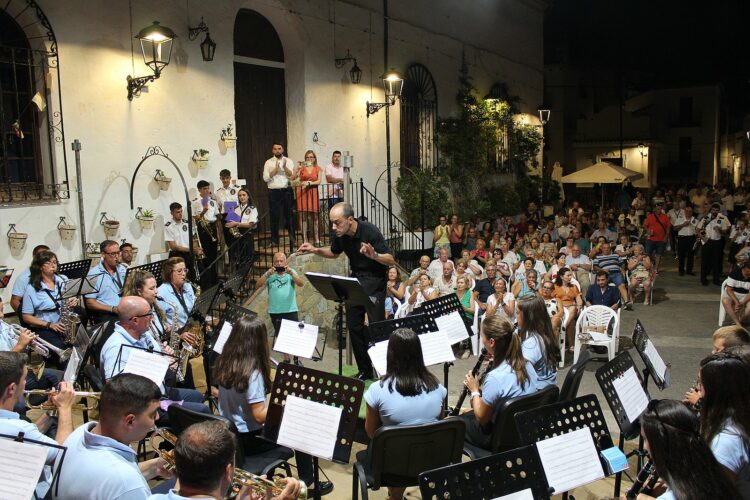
x=189, y=105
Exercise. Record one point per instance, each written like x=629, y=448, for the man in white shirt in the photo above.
x=436, y=266
x=712, y=228
x=565, y=228
x=684, y=225
x=226, y=192
x=581, y=265
x=277, y=172
x=424, y=264
x=176, y=235
x=334, y=190
x=445, y=284
x=206, y=215
x=510, y=257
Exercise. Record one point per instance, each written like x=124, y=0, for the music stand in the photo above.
x=606, y=376
x=152, y=267
x=320, y=387
x=489, y=477
x=74, y=270
x=58, y=463
x=230, y=289
x=640, y=338
x=339, y=289
x=119, y=356
x=444, y=305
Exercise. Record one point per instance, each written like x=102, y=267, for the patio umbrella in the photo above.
x=602, y=173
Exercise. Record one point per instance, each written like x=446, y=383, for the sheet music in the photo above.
x=632, y=396
x=378, y=355
x=309, y=427
x=71, y=288
x=72, y=369
x=20, y=467
x=436, y=348
x=570, y=460
x=518, y=495
x=148, y=364
x=599, y=337
x=226, y=329
x=296, y=341
x=453, y=326
x=653, y=355
x=323, y=275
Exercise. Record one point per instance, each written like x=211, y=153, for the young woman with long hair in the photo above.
x=407, y=394
x=511, y=376
x=725, y=414
x=681, y=457
x=539, y=343
x=570, y=296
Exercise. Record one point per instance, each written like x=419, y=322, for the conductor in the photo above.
x=369, y=258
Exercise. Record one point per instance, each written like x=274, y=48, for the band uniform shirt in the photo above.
x=533, y=351
x=248, y=214
x=371, y=274
x=739, y=235
x=688, y=230
x=233, y=404
x=211, y=212
x=708, y=224
x=226, y=194
x=171, y=301
x=11, y=424
x=501, y=384
x=177, y=232
x=41, y=303
x=113, y=349
x=280, y=180
x=109, y=287
x=282, y=293
x=23, y=279
x=7, y=340
x=731, y=452
x=338, y=174
x=396, y=409
x=97, y=466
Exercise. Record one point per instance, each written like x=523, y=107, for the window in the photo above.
x=31, y=133
x=418, y=119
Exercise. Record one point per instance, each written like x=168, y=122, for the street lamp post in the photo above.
x=544, y=114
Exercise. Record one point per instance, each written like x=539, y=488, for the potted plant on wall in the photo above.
x=111, y=226
x=162, y=180
x=228, y=137
x=93, y=253
x=200, y=157
x=145, y=218
x=67, y=231
x=16, y=240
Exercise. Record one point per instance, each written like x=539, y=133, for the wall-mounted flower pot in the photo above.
x=17, y=240
x=146, y=223
x=111, y=227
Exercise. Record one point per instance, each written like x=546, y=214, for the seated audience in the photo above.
x=554, y=306
x=580, y=264
x=424, y=263
x=736, y=299
x=445, y=284
x=394, y=291
x=639, y=267
x=465, y=297
x=421, y=292
x=539, y=343
x=603, y=293
x=435, y=268
x=527, y=286
x=501, y=302
x=612, y=264
x=570, y=297
x=484, y=287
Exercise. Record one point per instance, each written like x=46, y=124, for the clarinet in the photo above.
x=465, y=392
x=648, y=471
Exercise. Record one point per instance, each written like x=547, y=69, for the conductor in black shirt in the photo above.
x=369, y=259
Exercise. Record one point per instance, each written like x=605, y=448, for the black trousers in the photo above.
x=477, y=434
x=253, y=444
x=280, y=202
x=355, y=322
x=685, y=253
x=711, y=260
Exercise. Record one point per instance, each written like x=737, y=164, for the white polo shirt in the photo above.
x=177, y=232
x=280, y=180
x=226, y=194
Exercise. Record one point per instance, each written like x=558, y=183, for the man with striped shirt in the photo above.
x=611, y=263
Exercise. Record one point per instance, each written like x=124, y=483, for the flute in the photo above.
x=465, y=392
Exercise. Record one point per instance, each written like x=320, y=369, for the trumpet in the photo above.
x=49, y=407
x=240, y=478
x=39, y=345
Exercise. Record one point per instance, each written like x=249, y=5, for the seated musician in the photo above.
x=406, y=394
x=143, y=284
x=110, y=278
x=243, y=374
x=204, y=459
x=671, y=430
x=100, y=463
x=510, y=376
x=539, y=343
x=132, y=329
x=42, y=302
x=22, y=280
x=13, y=372
x=177, y=294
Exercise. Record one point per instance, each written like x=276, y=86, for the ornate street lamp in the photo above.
x=355, y=74
x=208, y=46
x=156, y=46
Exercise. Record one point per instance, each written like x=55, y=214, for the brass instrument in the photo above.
x=70, y=320
x=39, y=345
x=50, y=409
x=186, y=350
x=240, y=478
x=174, y=342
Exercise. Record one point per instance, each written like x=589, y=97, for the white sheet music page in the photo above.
x=570, y=460
x=295, y=340
x=436, y=348
x=309, y=427
x=323, y=275
x=453, y=326
x=20, y=467
x=72, y=368
x=632, y=396
x=226, y=329
x=653, y=355
x=526, y=494
x=379, y=356
x=148, y=364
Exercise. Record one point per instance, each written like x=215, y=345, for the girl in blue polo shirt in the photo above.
x=539, y=343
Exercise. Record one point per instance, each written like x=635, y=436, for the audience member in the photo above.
x=603, y=293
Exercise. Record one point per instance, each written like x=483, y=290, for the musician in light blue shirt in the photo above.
x=22, y=280
x=109, y=282
x=100, y=463
x=539, y=342
x=176, y=293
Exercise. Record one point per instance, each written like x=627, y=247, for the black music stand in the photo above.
x=152, y=267
x=339, y=289
x=320, y=387
x=640, y=337
x=605, y=376
x=230, y=289
x=442, y=306
x=58, y=463
x=487, y=478
x=75, y=269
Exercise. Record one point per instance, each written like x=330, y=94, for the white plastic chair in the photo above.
x=601, y=317
x=402, y=309
x=722, y=311
x=563, y=334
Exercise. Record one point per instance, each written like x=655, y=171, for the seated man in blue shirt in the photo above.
x=603, y=293
x=612, y=264
x=133, y=330
x=13, y=372
x=485, y=287
x=102, y=304
x=100, y=463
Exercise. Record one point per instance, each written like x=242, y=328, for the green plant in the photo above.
x=504, y=200
x=414, y=186
x=203, y=152
x=147, y=214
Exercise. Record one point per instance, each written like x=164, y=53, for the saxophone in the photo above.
x=70, y=320
x=174, y=342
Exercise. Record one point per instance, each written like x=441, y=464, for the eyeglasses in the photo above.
x=180, y=271
x=144, y=315
x=547, y=288
x=112, y=254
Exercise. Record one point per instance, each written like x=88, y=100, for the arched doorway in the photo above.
x=259, y=98
x=418, y=119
